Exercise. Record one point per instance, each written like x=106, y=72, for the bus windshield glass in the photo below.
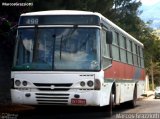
x=57, y=49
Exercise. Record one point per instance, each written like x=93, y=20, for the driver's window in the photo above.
x=106, y=51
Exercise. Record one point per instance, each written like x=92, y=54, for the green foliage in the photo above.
x=102, y=6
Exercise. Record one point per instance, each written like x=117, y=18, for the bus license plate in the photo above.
x=78, y=101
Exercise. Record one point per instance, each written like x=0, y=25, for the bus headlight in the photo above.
x=97, y=84
x=82, y=83
x=90, y=83
x=24, y=83
x=17, y=82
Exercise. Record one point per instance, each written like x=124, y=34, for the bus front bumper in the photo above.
x=77, y=98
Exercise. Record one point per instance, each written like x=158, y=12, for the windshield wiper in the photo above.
x=35, y=46
x=53, y=49
x=19, y=40
x=60, y=53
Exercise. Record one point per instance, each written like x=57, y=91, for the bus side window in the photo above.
x=135, y=54
x=129, y=52
x=142, y=58
x=115, y=46
x=109, y=37
x=138, y=50
x=123, y=53
x=106, y=50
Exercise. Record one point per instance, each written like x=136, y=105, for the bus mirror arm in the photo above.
x=109, y=37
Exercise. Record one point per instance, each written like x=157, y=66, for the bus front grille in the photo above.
x=52, y=99
x=53, y=87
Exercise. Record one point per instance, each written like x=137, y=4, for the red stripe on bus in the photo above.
x=121, y=70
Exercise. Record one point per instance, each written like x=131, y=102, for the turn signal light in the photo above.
x=97, y=84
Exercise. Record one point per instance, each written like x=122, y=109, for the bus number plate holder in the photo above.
x=78, y=101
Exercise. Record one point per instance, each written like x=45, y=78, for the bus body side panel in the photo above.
x=106, y=91
x=118, y=93
x=124, y=71
x=140, y=88
x=127, y=89
x=127, y=78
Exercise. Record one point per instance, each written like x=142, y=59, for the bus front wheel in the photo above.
x=110, y=106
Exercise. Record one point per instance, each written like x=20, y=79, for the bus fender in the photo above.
x=108, y=88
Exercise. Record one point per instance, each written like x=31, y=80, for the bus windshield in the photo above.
x=57, y=49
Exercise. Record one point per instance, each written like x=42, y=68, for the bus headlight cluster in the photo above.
x=89, y=83
x=18, y=83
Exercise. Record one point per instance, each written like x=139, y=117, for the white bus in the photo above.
x=78, y=58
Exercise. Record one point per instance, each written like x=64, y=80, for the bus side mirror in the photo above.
x=109, y=37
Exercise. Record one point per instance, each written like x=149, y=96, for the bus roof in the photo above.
x=59, y=12
x=75, y=12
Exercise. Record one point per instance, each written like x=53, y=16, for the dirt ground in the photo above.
x=14, y=108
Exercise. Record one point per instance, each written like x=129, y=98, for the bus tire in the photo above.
x=110, y=106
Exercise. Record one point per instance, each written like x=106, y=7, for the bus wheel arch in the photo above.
x=112, y=100
x=113, y=92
